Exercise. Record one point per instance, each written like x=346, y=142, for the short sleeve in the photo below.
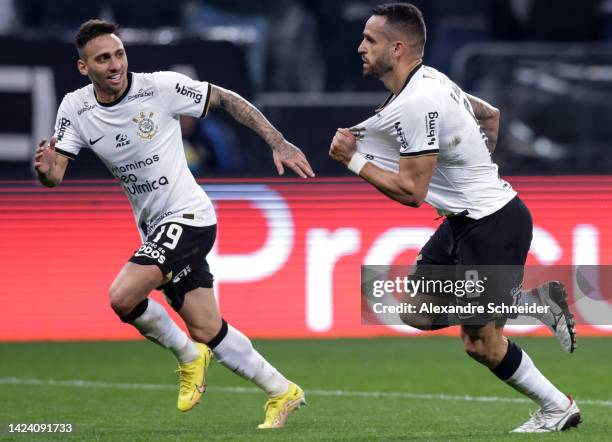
x=68, y=140
x=417, y=127
x=182, y=95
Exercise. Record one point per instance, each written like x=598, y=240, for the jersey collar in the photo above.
x=392, y=95
x=112, y=103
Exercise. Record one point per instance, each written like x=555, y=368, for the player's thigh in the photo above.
x=179, y=252
x=188, y=282
x=152, y=264
x=132, y=285
x=438, y=250
x=434, y=262
x=492, y=251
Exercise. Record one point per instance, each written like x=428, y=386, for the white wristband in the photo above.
x=357, y=162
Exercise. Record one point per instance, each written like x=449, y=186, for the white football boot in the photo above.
x=558, y=318
x=548, y=421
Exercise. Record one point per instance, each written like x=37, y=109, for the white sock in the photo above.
x=236, y=352
x=527, y=379
x=156, y=325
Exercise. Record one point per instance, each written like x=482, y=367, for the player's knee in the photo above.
x=119, y=300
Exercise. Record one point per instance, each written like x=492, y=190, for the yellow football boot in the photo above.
x=192, y=379
x=280, y=407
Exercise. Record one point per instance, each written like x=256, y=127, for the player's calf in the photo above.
x=200, y=312
x=484, y=344
x=480, y=352
x=205, y=332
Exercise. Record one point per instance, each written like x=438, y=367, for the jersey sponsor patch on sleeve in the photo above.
x=183, y=95
x=62, y=124
x=431, y=126
x=401, y=137
x=188, y=92
x=69, y=141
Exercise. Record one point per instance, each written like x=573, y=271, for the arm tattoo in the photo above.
x=482, y=109
x=488, y=119
x=246, y=114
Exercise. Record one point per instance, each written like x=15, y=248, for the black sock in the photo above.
x=510, y=363
x=217, y=339
x=136, y=311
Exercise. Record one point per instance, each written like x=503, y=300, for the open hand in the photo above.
x=291, y=156
x=44, y=156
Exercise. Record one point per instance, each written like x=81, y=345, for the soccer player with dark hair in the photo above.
x=131, y=122
x=431, y=142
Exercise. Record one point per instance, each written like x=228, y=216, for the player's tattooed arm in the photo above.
x=283, y=152
x=49, y=166
x=488, y=118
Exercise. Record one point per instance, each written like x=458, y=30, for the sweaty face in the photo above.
x=104, y=61
x=375, y=48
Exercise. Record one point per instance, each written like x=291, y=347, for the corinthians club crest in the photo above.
x=147, y=128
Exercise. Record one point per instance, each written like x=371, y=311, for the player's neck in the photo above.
x=396, y=79
x=104, y=97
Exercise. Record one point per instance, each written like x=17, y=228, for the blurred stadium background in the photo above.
x=288, y=253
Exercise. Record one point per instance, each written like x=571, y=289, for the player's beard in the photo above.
x=110, y=89
x=378, y=69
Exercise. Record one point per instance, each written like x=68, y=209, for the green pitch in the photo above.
x=379, y=389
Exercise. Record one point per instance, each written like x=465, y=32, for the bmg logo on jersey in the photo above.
x=64, y=123
x=192, y=93
x=431, y=120
x=122, y=140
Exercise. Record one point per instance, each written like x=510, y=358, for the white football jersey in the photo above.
x=138, y=137
x=432, y=115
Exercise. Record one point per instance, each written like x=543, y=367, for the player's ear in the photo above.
x=399, y=47
x=81, y=66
